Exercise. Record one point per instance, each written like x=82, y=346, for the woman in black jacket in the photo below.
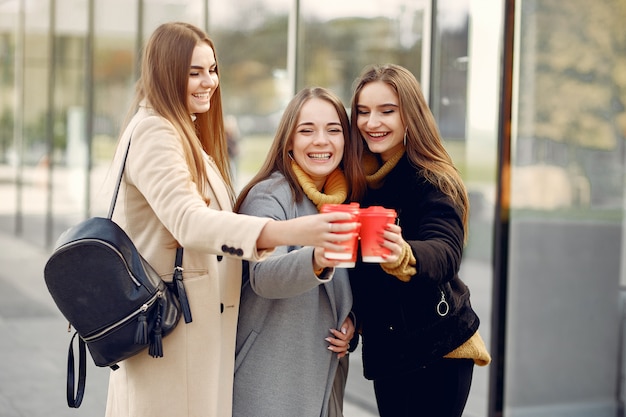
x=419, y=332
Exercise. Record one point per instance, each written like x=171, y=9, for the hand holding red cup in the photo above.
x=348, y=255
x=374, y=220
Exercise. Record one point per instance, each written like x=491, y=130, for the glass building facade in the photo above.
x=530, y=97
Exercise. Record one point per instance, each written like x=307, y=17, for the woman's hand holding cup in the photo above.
x=344, y=253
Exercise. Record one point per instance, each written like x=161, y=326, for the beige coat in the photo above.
x=158, y=206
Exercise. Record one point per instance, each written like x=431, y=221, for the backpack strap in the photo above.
x=74, y=398
x=118, y=182
x=177, y=280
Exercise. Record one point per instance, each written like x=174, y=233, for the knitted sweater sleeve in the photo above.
x=404, y=268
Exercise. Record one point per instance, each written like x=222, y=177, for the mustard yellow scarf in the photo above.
x=374, y=172
x=335, y=188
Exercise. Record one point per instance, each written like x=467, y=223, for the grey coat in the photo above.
x=283, y=366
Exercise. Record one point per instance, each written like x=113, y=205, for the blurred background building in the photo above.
x=530, y=96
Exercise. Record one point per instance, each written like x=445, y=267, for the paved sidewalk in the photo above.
x=34, y=345
x=34, y=341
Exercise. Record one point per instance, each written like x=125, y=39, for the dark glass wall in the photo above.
x=566, y=271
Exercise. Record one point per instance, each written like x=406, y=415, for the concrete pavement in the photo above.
x=34, y=343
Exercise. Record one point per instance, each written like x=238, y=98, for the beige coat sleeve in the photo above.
x=156, y=169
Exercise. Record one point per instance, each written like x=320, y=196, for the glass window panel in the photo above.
x=564, y=347
x=31, y=141
x=156, y=12
x=8, y=111
x=252, y=49
x=115, y=61
x=338, y=39
x=456, y=49
x=448, y=100
x=476, y=156
x=70, y=145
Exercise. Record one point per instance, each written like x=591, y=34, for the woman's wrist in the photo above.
x=267, y=238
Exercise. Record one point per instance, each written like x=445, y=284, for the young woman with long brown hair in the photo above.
x=419, y=331
x=297, y=295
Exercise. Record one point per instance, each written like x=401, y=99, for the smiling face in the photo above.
x=379, y=119
x=203, y=79
x=318, y=141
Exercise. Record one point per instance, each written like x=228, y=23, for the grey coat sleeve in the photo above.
x=289, y=271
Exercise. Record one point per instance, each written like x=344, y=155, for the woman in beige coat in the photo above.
x=177, y=192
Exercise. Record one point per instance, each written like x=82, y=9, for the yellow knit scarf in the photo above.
x=374, y=172
x=335, y=190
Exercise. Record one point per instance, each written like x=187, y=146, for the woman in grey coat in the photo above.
x=294, y=320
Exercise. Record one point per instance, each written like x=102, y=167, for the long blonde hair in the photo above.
x=424, y=146
x=163, y=83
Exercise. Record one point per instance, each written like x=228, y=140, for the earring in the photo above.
x=290, y=154
x=405, y=133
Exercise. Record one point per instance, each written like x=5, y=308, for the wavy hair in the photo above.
x=278, y=157
x=424, y=146
x=163, y=84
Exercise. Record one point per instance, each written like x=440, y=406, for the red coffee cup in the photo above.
x=373, y=221
x=348, y=256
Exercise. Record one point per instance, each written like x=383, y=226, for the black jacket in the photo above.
x=401, y=328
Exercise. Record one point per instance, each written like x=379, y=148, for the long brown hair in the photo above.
x=278, y=157
x=163, y=83
x=424, y=146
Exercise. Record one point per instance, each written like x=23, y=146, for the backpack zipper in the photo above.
x=121, y=322
x=117, y=252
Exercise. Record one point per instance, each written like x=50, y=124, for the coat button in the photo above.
x=225, y=248
x=239, y=252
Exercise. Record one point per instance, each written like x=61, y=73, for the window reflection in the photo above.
x=337, y=40
x=254, y=72
x=567, y=229
x=448, y=99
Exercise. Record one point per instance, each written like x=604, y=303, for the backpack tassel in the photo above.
x=141, y=334
x=156, y=346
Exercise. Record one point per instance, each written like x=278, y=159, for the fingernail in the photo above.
x=344, y=330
